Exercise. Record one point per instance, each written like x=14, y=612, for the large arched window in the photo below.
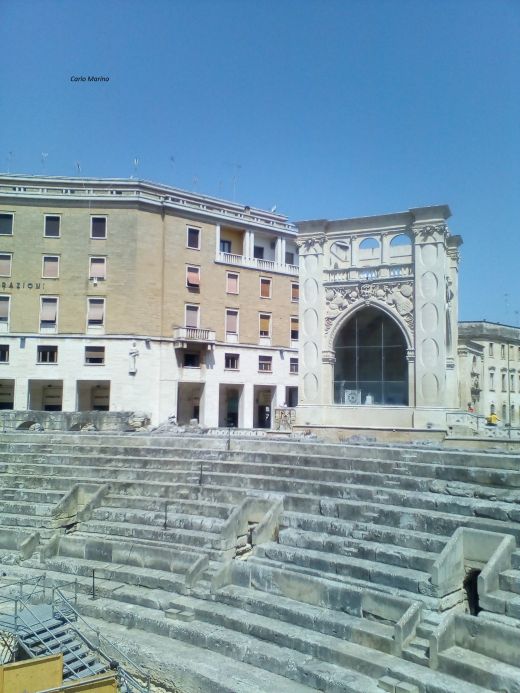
x=371, y=365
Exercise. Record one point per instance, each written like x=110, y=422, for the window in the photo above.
x=294, y=329
x=265, y=325
x=225, y=246
x=95, y=355
x=192, y=316
x=504, y=413
x=50, y=266
x=231, y=322
x=4, y=310
x=491, y=380
x=47, y=354
x=289, y=258
x=502, y=351
x=48, y=313
x=6, y=224
x=193, y=238
x=295, y=293
x=504, y=382
x=95, y=312
x=293, y=365
x=5, y=264
x=258, y=252
x=191, y=360
x=97, y=268
x=4, y=353
x=265, y=364
x=98, y=227
x=231, y=362
x=265, y=287
x=232, y=285
x=51, y=227
x=369, y=244
x=512, y=382
x=490, y=350
x=192, y=277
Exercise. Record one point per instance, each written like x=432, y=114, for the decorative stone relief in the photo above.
x=313, y=244
x=398, y=296
x=310, y=354
x=340, y=250
x=432, y=232
x=310, y=290
x=310, y=322
x=310, y=386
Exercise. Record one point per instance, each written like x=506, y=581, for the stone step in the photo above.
x=39, y=471
x=274, y=656
x=359, y=548
x=509, y=581
x=418, y=651
x=107, y=514
x=515, y=560
x=430, y=602
x=186, y=667
x=17, y=507
x=341, y=625
x=21, y=495
x=179, y=536
x=115, y=575
x=500, y=618
x=429, y=521
x=369, y=571
x=479, y=669
x=502, y=602
x=280, y=648
x=189, y=506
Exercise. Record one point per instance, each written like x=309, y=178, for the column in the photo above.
x=209, y=408
x=217, y=240
x=69, y=395
x=21, y=394
x=278, y=251
x=247, y=405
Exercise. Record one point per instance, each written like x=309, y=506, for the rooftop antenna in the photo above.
x=237, y=168
x=136, y=166
x=172, y=163
x=43, y=159
x=506, y=305
x=9, y=161
x=273, y=209
x=194, y=182
x=78, y=168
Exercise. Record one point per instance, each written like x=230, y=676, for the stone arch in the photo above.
x=371, y=365
x=349, y=312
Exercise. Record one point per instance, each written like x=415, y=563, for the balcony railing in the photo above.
x=256, y=263
x=193, y=334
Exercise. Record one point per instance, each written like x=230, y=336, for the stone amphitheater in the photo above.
x=244, y=564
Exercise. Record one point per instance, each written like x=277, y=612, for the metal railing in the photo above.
x=25, y=623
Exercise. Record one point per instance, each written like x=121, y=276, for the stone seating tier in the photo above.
x=373, y=519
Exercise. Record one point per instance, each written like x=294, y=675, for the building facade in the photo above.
x=489, y=356
x=379, y=320
x=124, y=295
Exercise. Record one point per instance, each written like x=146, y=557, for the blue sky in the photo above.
x=326, y=108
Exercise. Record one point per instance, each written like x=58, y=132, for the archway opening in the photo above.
x=371, y=365
x=470, y=587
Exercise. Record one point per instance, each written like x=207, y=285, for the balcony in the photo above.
x=184, y=336
x=256, y=263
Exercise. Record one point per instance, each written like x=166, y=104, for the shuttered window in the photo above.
x=4, y=308
x=192, y=316
x=231, y=321
x=96, y=311
x=5, y=264
x=192, y=276
x=265, y=287
x=232, y=283
x=98, y=268
x=51, y=266
x=265, y=325
x=48, y=311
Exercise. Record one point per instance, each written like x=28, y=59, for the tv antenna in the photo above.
x=10, y=157
x=78, y=168
x=43, y=160
x=136, y=166
x=236, y=168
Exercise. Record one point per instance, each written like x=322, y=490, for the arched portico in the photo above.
x=371, y=364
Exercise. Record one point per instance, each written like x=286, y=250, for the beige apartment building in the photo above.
x=489, y=358
x=125, y=295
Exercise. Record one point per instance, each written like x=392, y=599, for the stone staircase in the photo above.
x=165, y=539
